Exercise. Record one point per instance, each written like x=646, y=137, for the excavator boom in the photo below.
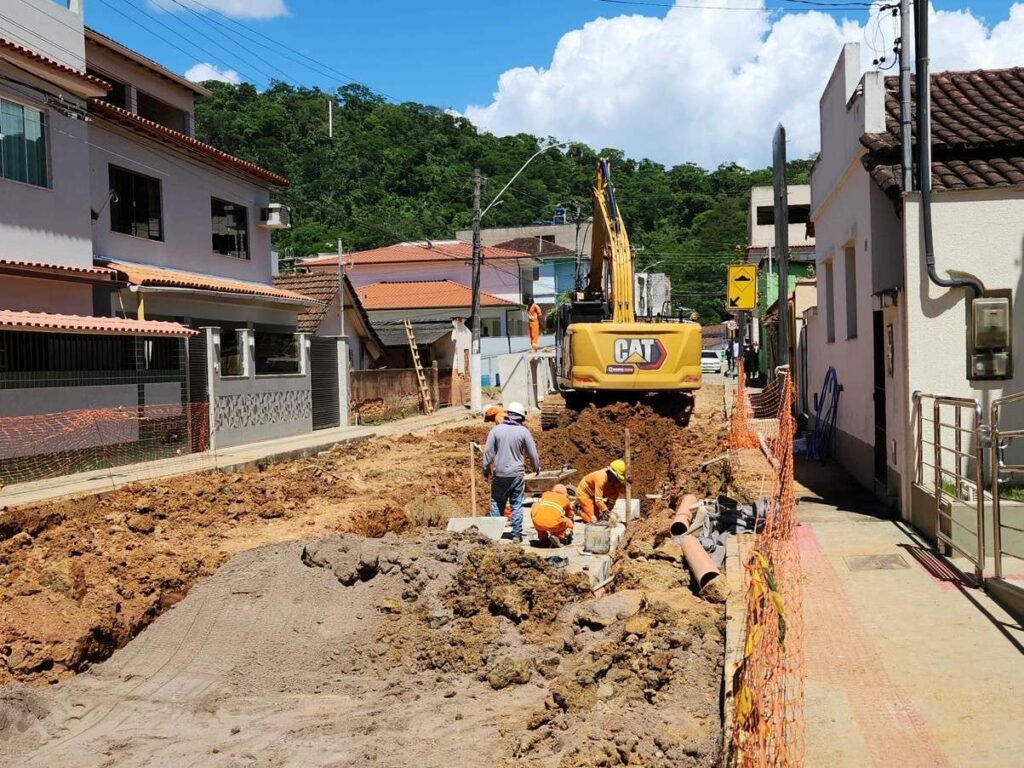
x=602, y=347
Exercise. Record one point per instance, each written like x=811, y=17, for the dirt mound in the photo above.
x=79, y=578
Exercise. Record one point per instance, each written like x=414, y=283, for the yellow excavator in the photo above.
x=603, y=351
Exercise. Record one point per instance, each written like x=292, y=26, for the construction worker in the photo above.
x=508, y=447
x=597, y=492
x=552, y=516
x=534, y=313
x=494, y=414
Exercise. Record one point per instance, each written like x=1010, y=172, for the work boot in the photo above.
x=554, y=543
x=517, y=539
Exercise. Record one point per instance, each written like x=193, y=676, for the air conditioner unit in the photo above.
x=275, y=216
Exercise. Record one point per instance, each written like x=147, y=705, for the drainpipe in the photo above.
x=924, y=156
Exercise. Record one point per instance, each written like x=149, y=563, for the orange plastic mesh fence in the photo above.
x=768, y=714
x=741, y=434
x=53, y=444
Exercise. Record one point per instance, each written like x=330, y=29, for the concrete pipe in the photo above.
x=698, y=561
x=685, y=511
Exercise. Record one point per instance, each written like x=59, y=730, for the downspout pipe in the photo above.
x=924, y=156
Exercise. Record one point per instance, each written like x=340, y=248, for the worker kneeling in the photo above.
x=552, y=516
x=597, y=492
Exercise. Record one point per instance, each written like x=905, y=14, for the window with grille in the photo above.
x=135, y=204
x=230, y=228
x=22, y=144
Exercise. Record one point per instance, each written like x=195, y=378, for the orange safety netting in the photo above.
x=767, y=688
x=53, y=444
x=741, y=435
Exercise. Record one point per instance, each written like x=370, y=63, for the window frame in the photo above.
x=116, y=206
x=44, y=131
x=850, y=289
x=247, y=256
x=830, y=302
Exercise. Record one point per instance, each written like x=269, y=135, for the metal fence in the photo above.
x=1003, y=532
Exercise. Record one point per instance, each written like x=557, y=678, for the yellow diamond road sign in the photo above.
x=742, y=289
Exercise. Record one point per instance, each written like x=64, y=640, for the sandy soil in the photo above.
x=421, y=648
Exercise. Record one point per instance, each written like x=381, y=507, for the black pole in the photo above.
x=782, y=241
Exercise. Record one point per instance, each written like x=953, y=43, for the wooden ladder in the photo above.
x=428, y=401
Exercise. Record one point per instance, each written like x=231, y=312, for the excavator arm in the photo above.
x=611, y=259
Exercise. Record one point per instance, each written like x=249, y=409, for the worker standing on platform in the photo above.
x=508, y=447
x=552, y=516
x=534, y=314
x=597, y=492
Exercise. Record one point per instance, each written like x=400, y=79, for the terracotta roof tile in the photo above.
x=44, y=321
x=430, y=250
x=143, y=274
x=150, y=128
x=99, y=272
x=423, y=294
x=56, y=66
x=977, y=132
x=322, y=286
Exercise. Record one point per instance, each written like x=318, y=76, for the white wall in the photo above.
x=54, y=296
x=126, y=71
x=215, y=308
x=186, y=187
x=49, y=225
x=763, y=235
x=979, y=232
x=47, y=28
x=849, y=211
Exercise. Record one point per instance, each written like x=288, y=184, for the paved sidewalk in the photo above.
x=906, y=666
x=224, y=459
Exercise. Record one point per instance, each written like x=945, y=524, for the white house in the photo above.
x=879, y=321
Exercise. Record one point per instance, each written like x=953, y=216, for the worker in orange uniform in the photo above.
x=597, y=492
x=534, y=314
x=494, y=414
x=552, y=516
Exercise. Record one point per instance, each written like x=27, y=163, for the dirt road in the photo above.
x=422, y=648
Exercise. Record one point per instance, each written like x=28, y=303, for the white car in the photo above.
x=710, y=361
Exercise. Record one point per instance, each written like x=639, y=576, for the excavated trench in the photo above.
x=442, y=628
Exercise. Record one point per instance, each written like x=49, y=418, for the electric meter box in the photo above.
x=990, y=339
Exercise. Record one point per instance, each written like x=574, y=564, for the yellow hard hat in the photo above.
x=618, y=468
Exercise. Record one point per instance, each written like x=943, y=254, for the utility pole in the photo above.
x=579, y=252
x=782, y=241
x=905, y=117
x=341, y=287
x=476, y=367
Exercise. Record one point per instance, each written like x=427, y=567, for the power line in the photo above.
x=324, y=69
x=817, y=4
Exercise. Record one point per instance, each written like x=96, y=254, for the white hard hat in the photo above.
x=517, y=408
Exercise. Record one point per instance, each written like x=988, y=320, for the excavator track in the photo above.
x=551, y=410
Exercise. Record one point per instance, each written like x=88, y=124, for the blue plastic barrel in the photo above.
x=485, y=380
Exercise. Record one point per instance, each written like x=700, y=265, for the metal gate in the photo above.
x=958, y=441
x=198, y=391
x=323, y=361
x=1007, y=537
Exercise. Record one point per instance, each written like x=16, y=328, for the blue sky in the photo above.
x=460, y=53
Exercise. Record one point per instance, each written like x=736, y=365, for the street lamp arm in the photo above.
x=537, y=154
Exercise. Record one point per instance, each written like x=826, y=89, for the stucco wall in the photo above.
x=978, y=232
x=47, y=28
x=49, y=225
x=29, y=295
x=126, y=71
x=186, y=187
x=192, y=309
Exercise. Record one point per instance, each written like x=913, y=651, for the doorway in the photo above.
x=881, y=439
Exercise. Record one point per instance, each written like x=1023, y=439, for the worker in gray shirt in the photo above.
x=508, y=447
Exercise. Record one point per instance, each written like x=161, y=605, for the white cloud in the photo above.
x=236, y=9
x=197, y=73
x=709, y=86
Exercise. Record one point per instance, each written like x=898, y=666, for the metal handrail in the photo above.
x=939, y=429
x=996, y=437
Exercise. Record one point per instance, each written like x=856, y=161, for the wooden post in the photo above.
x=435, y=384
x=472, y=481
x=629, y=474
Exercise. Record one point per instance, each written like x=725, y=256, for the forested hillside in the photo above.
x=404, y=172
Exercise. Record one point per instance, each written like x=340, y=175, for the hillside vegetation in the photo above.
x=404, y=172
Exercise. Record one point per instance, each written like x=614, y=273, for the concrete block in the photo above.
x=620, y=509
x=491, y=527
